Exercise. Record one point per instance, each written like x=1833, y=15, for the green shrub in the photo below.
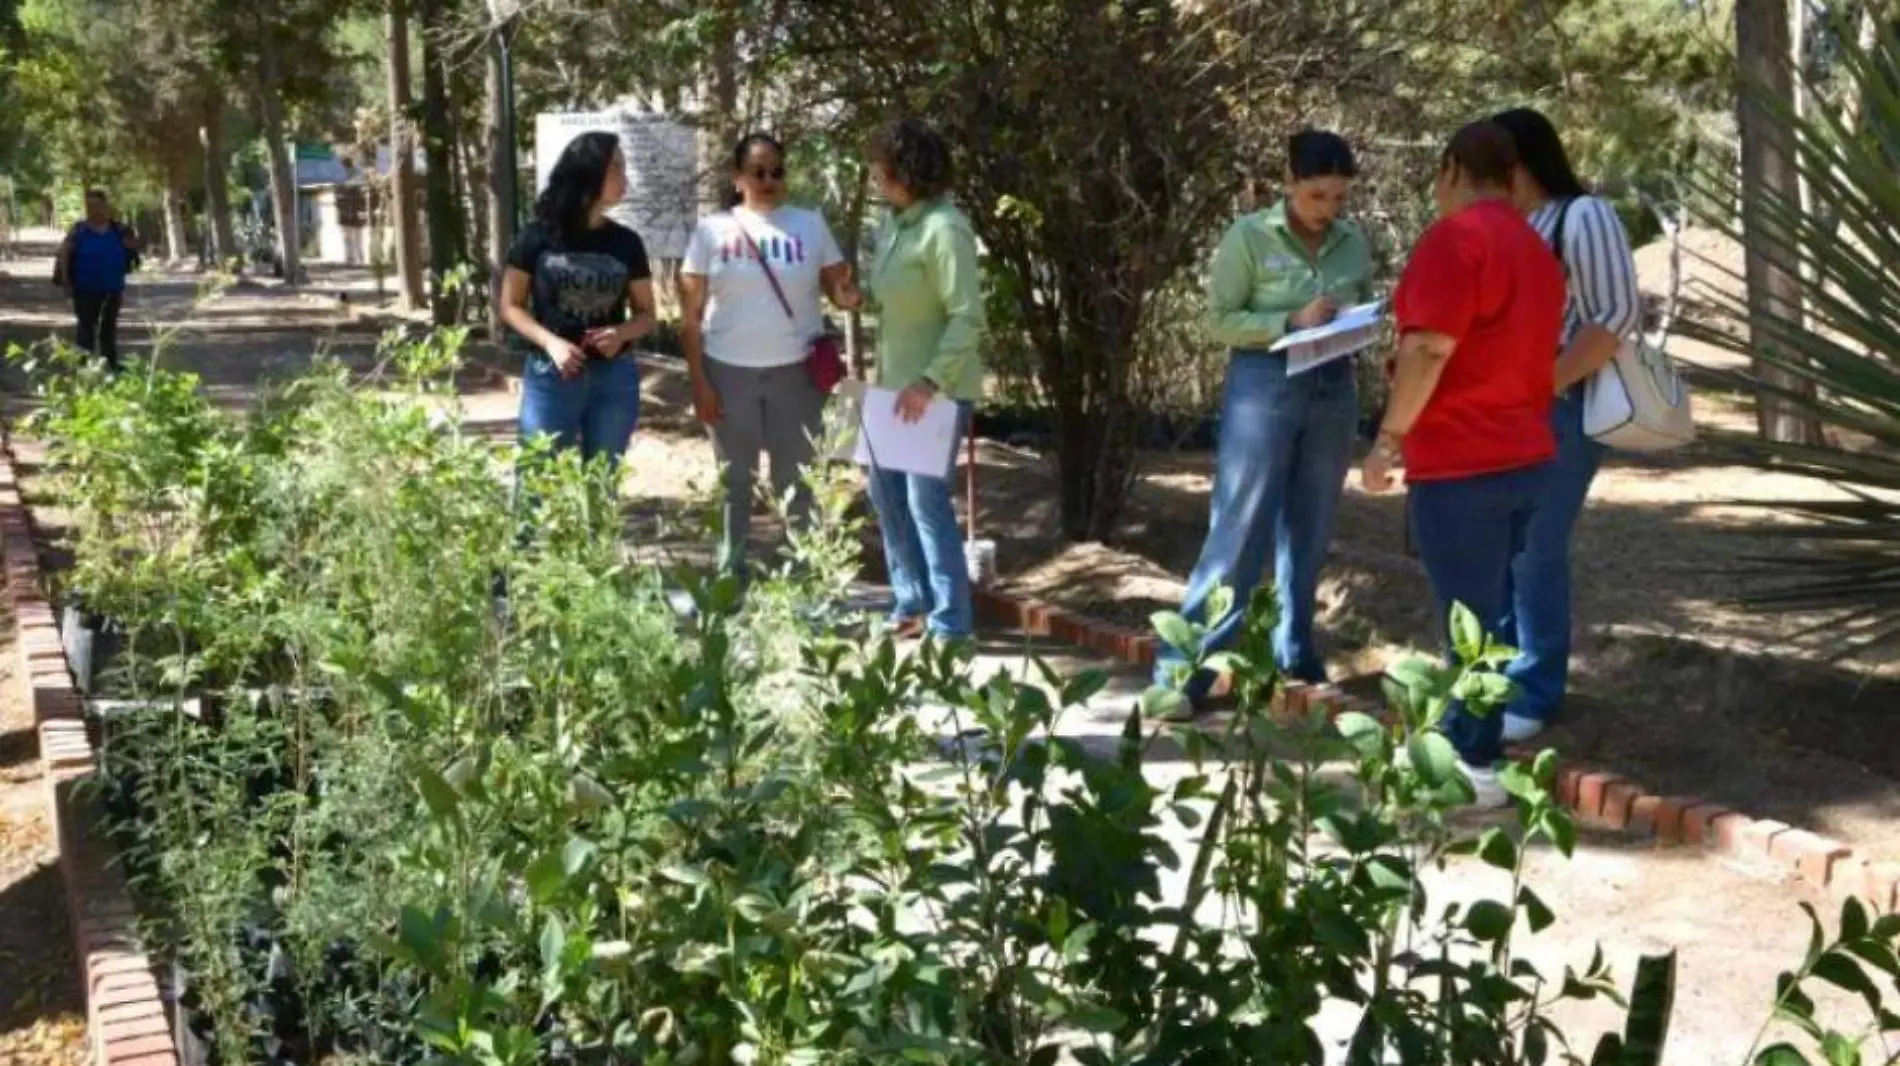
x=577, y=827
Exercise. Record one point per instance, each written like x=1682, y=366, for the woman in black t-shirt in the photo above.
x=573, y=277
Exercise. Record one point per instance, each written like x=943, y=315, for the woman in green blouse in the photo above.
x=929, y=296
x=1286, y=440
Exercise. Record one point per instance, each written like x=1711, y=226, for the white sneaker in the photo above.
x=1517, y=730
x=1490, y=795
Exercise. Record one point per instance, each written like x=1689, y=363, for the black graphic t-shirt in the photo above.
x=580, y=285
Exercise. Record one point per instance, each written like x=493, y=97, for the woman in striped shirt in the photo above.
x=1604, y=308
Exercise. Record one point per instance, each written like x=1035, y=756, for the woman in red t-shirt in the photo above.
x=1479, y=309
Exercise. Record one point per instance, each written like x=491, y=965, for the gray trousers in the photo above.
x=776, y=410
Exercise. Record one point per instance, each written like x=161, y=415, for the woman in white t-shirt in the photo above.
x=747, y=338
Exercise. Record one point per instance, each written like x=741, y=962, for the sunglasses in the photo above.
x=764, y=174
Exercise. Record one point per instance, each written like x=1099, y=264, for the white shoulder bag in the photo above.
x=1637, y=402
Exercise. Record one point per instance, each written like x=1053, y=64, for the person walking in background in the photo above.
x=749, y=303
x=929, y=294
x=92, y=265
x=576, y=294
x=1604, y=309
x=1479, y=308
x=1286, y=440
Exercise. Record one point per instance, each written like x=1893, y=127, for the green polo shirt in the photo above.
x=929, y=293
x=1263, y=272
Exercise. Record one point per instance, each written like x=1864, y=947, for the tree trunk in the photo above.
x=446, y=247
x=218, y=188
x=283, y=175
x=402, y=162
x=1094, y=425
x=718, y=108
x=1769, y=175
x=502, y=174
x=472, y=153
x=177, y=214
x=853, y=238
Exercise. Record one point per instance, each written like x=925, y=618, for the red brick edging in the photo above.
x=126, y=1017
x=1597, y=797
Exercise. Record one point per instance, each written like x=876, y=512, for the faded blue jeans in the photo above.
x=1537, y=615
x=1467, y=531
x=923, y=546
x=1286, y=444
x=595, y=411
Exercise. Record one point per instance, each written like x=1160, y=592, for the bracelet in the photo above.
x=1388, y=444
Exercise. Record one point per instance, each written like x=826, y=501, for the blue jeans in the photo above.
x=923, y=547
x=1467, y=531
x=1537, y=615
x=594, y=411
x=1286, y=444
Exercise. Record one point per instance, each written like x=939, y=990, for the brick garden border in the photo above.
x=126, y=1017
x=1598, y=797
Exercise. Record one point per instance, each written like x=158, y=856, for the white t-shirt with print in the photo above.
x=745, y=324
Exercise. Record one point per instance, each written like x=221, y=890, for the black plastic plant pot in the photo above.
x=189, y=1025
x=92, y=642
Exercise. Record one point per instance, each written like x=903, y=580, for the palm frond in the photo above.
x=1836, y=358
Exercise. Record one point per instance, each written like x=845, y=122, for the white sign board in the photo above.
x=662, y=201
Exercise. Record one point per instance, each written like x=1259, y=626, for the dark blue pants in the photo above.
x=923, y=545
x=594, y=411
x=1467, y=532
x=1537, y=618
x=1286, y=445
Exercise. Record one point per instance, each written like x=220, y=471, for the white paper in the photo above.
x=1352, y=330
x=925, y=447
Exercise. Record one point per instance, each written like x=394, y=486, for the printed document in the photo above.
x=927, y=446
x=1354, y=329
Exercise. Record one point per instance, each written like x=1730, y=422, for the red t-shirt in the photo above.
x=1484, y=278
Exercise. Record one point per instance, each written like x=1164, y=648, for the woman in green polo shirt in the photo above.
x=1286, y=441
x=929, y=296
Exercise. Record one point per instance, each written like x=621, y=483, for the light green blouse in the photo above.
x=929, y=293
x=1264, y=272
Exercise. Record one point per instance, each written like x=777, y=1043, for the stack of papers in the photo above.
x=1353, y=330
x=927, y=447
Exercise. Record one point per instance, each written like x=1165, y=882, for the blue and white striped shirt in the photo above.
x=1602, y=270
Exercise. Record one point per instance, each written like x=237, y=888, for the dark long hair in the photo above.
x=1541, y=152
x=575, y=185
x=744, y=148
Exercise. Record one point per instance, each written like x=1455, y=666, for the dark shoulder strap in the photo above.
x=767, y=267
